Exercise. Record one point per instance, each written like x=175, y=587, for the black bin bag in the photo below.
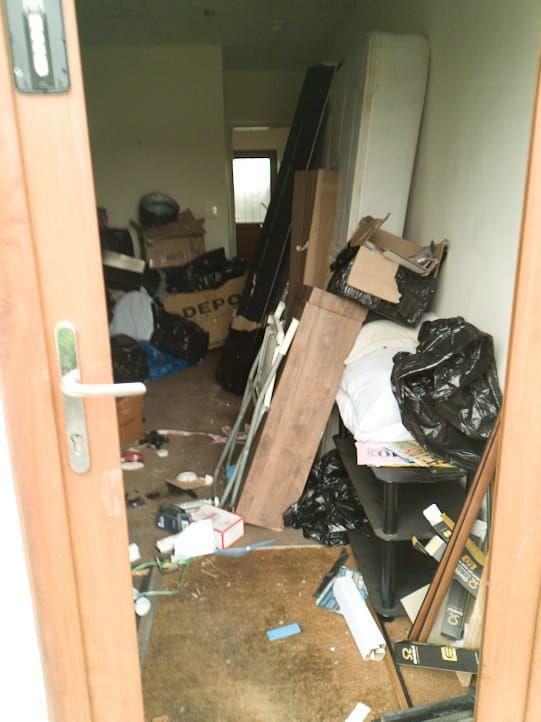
x=179, y=336
x=129, y=360
x=448, y=391
x=416, y=292
x=328, y=508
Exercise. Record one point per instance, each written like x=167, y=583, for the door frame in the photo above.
x=74, y=525
x=81, y=685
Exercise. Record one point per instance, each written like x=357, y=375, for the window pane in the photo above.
x=252, y=183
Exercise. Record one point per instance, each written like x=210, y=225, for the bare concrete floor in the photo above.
x=223, y=615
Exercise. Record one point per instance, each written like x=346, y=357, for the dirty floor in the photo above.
x=208, y=658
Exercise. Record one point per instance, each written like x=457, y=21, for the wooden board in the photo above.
x=300, y=408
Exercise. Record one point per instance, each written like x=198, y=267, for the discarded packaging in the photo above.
x=195, y=541
x=134, y=553
x=131, y=460
x=228, y=527
x=327, y=599
x=288, y=630
x=363, y=628
x=359, y=713
x=171, y=518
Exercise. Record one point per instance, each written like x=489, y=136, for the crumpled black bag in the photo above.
x=416, y=291
x=179, y=336
x=448, y=391
x=328, y=507
x=208, y=271
x=129, y=360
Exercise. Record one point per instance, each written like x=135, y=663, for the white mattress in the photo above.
x=375, y=108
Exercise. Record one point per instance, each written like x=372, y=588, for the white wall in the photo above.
x=469, y=179
x=269, y=139
x=156, y=118
x=21, y=671
x=261, y=97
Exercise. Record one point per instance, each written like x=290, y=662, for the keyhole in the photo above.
x=76, y=443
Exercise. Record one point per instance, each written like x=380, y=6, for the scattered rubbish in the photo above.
x=363, y=628
x=131, y=460
x=237, y=552
x=172, y=518
x=164, y=567
x=287, y=630
x=161, y=718
x=195, y=504
x=154, y=439
x=162, y=453
x=154, y=494
x=433, y=656
x=448, y=391
x=189, y=480
x=215, y=438
x=196, y=540
x=161, y=363
x=135, y=501
x=327, y=599
x=143, y=606
x=359, y=713
x=328, y=508
x=228, y=527
x=331, y=574
x=332, y=649
x=134, y=553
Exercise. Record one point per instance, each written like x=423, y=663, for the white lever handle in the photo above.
x=71, y=386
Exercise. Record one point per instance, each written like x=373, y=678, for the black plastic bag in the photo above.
x=179, y=336
x=157, y=209
x=416, y=292
x=236, y=359
x=448, y=391
x=328, y=508
x=208, y=271
x=129, y=359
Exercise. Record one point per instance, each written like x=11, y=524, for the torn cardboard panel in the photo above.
x=380, y=255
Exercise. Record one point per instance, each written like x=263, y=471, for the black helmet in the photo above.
x=157, y=209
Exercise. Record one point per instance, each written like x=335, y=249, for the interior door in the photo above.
x=75, y=523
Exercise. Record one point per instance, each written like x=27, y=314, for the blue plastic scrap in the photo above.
x=288, y=630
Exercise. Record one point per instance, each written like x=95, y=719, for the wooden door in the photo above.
x=75, y=524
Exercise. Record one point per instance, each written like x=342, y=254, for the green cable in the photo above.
x=161, y=566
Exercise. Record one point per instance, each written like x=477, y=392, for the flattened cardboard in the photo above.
x=129, y=412
x=211, y=309
x=373, y=273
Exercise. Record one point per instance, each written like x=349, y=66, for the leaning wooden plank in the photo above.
x=300, y=408
x=446, y=568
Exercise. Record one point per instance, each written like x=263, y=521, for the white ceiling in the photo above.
x=253, y=33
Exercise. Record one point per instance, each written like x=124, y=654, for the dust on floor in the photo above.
x=209, y=657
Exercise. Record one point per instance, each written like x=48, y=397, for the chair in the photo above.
x=258, y=393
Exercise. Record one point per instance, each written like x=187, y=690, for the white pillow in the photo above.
x=365, y=397
x=377, y=334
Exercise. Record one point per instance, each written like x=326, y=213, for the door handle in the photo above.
x=74, y=391
x=71, y=386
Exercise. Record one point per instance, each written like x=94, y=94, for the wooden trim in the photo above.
x=428, y=612
x=37, y=468
x=509, y=685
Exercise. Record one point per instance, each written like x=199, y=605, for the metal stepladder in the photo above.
x=258, y=394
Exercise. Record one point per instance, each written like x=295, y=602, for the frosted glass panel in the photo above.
x=252, y=182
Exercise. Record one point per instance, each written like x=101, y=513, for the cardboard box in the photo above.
x=312, y=226
x=175, y=244
x=129, y=411
x=381, y=253
x=228, y=527
x=211, y=309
